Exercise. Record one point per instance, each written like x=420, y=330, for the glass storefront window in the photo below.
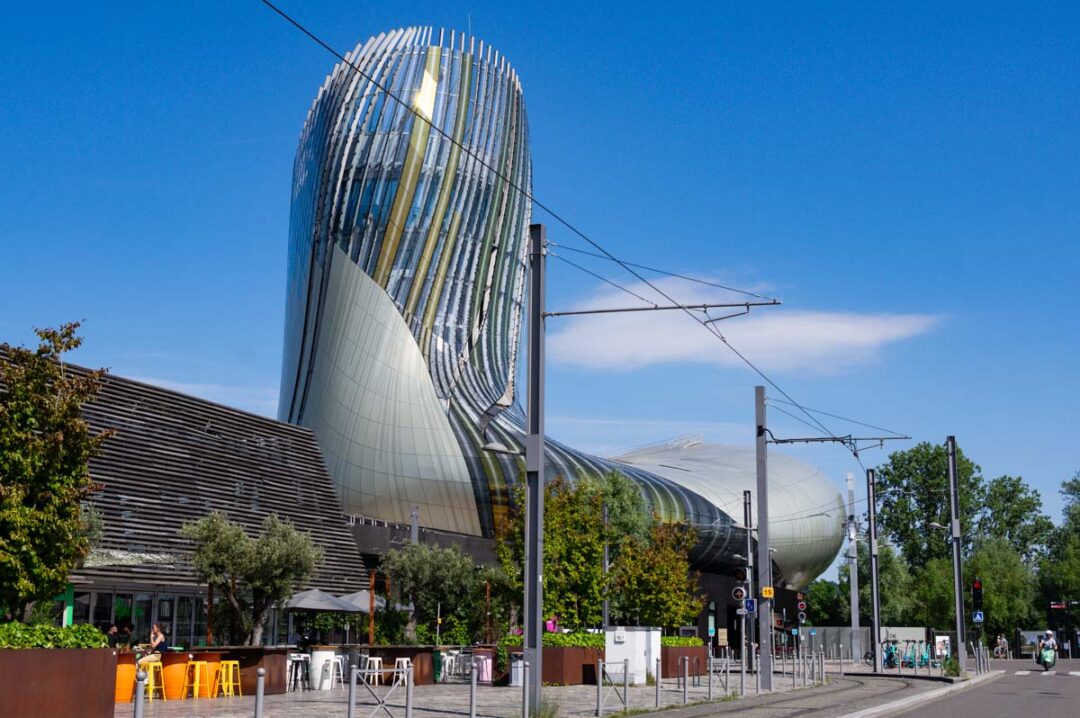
x=199, y=611
x=81, y=613
x=184, y=621
x=122, y=614
x=142, y=616
x=165, y=618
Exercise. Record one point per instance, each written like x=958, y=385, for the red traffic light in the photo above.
x=976, y=585
x=801, y=605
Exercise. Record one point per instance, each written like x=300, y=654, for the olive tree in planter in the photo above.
x=251, y=574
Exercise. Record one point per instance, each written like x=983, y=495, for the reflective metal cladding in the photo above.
x=406, y=275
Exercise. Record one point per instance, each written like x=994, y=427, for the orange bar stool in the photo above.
x=196, y=679
x=228, y=682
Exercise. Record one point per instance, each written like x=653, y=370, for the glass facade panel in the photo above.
x=122, y=614
x=142, y=617
x=81, y=612
x=103, y=610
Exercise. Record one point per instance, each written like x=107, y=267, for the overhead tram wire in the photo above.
x=711, y=328
x=603, y=279
x=666, y=273
x=844, y=418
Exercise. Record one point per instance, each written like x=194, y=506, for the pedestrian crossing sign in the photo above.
x=977, y=617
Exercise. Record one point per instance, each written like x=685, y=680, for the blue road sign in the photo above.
x=813, y=631
x=794, y=631
x=751, y=605
x=977, y=617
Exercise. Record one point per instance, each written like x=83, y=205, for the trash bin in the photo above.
x=436, y=664
x=517, y=669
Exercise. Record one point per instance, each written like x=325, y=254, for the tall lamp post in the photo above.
x=958, y=576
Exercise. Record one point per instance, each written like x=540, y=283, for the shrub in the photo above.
x=18, y=635
x=577, y=639
x=681, y=641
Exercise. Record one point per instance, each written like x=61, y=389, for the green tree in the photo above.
x=826, y=605
x=435, y=581
x=45, y=451
x=1059, y=570
x=1013, y=511
x=252, y=574
x=1009, y=586
x=653, y=579
x=932, y=597
x=913, y=492
x=894, y=580
x=574, y=536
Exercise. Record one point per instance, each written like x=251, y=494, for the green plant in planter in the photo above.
x=681, y=642
x=20, y=635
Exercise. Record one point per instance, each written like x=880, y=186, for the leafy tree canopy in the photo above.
x=45, y=451
x=653, y=579
x=1013, y=512
x=895, y=582
x=826, y=605
x=435, y=581
x=252, y=574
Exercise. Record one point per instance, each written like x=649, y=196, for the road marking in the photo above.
x=1023, y=673
x=1074, y=673
x=1049, y=673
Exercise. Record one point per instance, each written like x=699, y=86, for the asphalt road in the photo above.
x=1024, y=690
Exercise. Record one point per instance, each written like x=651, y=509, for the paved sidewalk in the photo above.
x=842, y=694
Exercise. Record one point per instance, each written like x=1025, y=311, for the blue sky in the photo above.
x=906, y=180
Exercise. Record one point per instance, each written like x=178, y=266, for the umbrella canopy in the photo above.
x=316, y=600
x=361, y=601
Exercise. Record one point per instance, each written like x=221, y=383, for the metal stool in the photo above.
x=228, y=682
x=196, y=677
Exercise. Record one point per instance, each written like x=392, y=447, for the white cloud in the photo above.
x=774, y=338
x=257, y=400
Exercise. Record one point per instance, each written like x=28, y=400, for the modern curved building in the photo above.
x=406, y=277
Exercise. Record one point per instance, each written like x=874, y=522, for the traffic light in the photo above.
x=976, y=594
x=740, y=574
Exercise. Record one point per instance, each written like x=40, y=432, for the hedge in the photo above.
x=681, y=641
x=21, y=635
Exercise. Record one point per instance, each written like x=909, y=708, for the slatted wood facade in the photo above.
x=176, y=458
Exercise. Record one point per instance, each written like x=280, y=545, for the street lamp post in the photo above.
x=765, y=629
x=534, y=470
x=875, y=592
x=958, y=577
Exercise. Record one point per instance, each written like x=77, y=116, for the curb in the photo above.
x=911, y=701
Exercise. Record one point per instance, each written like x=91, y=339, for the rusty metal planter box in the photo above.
x=58, y=682
x=571, y=666
x=670, y=664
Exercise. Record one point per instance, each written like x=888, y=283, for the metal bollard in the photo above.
x=472, y=689
x=408, y=691
x=686, y=679
x=599, y=687
x=140, y=692
x=727, y=676
x=708, y=666
x=757, y=673
x=260, y=689
x=657, y=682
x=524, y=689
x=350, y=711
x=626, y=683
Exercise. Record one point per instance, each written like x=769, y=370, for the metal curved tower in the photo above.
x=406, y=275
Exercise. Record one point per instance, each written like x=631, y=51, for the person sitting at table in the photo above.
x=113, y=635
x=157, y=645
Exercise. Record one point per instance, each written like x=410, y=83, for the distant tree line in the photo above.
x=1024, y=561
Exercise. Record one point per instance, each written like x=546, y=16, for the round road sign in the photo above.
x=802, y=605
x=802, y=616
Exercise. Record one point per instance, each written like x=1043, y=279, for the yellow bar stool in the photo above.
x=155, y=679
x=229, y=679
x=196, y=678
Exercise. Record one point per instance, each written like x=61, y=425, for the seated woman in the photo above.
x=157, y=645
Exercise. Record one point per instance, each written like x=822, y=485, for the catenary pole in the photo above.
x=875, y=590
x=765, y=630
x=853, y=568
x=958, y=575
x=748, y=519
x=534, y=468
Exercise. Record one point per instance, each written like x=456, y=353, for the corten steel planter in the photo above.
x=670, y=665
x=60, y=682
x=252, y=658
x=570, y=665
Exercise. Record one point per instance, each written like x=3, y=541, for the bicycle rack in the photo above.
x=602, y=675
